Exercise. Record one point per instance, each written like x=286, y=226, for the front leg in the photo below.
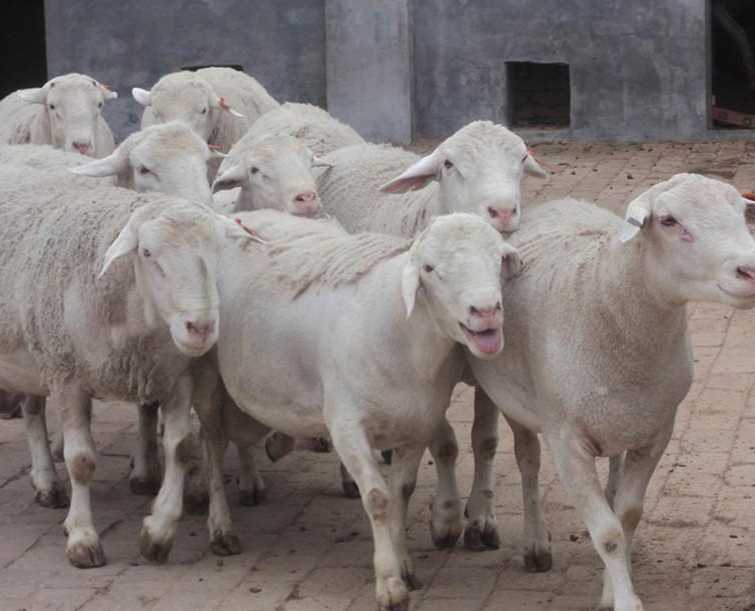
x=383, y=509
x=404, y=466
x=83, y=547
x=637, y=469
x=49, y=491
x=146, y=474
x=159, y=528
x=575, y=465
x=481, y=532
x=445, y=522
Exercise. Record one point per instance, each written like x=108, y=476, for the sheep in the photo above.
x=108, y=294
x=597, y=353
x=65, y=112
x=275, y=171
x=361, y=337
x=478, y=169
x=316, y=128
x=219, y=104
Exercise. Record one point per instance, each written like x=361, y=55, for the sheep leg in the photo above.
x=146, y=474
x=252, y=489
x=223, y=541
x=49, y=490
x=383, y=510
x=537, y=546
x=159, y=528
x=481, y=532
x=639, y=466
x=575, y=465
x=615, y=467
x=445, y=523
x=404, y=467
x=83, y=546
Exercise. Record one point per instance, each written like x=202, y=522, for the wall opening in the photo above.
x=732, y=64
x=23, y=53
x=539, y=95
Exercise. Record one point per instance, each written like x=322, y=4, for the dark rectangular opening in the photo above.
x=238, y=67
x=732, y=64
x=23, y=52
x=539, y=95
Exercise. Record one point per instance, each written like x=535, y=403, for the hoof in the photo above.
x=321, y=445
x=540, y=561
x=350, y=490
x=479, y=540
x=278, y=445
x=387, y=456
x=144, y=487
x=445, y=539
x=196, y=504
x=225, y=544
x=154, y=551
x=86, y=556
x=393, y=596
x=55, y=498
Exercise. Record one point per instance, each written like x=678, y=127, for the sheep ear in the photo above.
x=318, y=162
x=410, y=285
x=230, y=179
x=237, y=229
x=126, y=242
x=36, y=95
x=511, y=262
x=417, y=176
x=142, y=96
x=638, y=212
x=532, y=167
x=225, y=106
x=108, y=166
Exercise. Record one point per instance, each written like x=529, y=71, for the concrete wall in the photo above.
x=126, y=44
x=638, y=69
x=393, y=68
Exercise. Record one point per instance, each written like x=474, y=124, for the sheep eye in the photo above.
x=99, y=105
x=146, y=253
x=204, y=111
x=52, y=106
x=428, y=268
x=448, y=164
x=254, y=170
x=143, y=170
x=525, y=157
x=668, y=221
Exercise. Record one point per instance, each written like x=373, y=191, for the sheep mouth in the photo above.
x=746, y=297
x=486, y=341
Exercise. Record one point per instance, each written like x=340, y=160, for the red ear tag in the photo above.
x=749, y=195
x=223, y=104
x=250, y=231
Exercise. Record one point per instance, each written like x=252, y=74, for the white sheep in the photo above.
x=597, y=353
x=314, y=127
x=219, y=104
x=275, y=171
x=65, y=112
x=360, y=336
x=478, y=170
x=108, y=294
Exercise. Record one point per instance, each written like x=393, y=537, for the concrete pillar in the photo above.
x=370, y=66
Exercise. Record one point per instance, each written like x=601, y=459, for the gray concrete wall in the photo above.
x=126, y=44
x=369, y=67
x=638, y=68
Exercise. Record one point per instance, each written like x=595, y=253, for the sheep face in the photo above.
x=73, y=104
x=696, y=241
x=175, y=258
x=185, y=97
x=169, y=159
x=479, y=170
x=277, y=172
x=457, y=266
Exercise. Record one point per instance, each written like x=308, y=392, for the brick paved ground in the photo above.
x=309, y=549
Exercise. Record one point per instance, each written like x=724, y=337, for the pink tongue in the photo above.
x=489, y=342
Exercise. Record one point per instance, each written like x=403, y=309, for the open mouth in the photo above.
x=487, y=341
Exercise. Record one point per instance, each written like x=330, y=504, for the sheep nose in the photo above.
x=200, y=328
x=502, y=214
x=82, y=147
x=307, y=202
x=486, y=312
x=746, y=273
